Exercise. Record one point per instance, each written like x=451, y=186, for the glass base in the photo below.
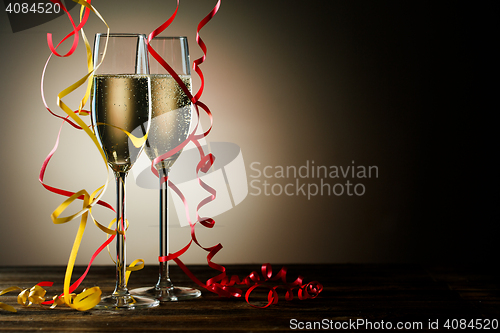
x=129, y=302
x=172, y=294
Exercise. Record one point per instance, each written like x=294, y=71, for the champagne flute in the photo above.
x=170, y=122
x=121, y=105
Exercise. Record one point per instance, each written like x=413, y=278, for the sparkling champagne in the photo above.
x=120, y=103
x=170, y=117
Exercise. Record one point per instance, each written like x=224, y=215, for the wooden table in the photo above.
x=377, y=295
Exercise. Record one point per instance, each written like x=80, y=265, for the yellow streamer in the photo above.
x=35, y=295
x=27, y=297
x=6, y=306
x=108, y=229
x=137, y=142
x=114, y=232
x=88, y=298
x=132, y=268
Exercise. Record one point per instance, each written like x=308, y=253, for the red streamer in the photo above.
x=52, y=189
x=219, y=284
x=70, y=52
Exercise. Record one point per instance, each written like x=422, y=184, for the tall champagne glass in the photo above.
x=121, y=108
x=170, y=122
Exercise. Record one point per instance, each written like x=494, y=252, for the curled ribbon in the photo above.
x=27, y=297
x=89, y=297
x=206, y=161
x=220, y=284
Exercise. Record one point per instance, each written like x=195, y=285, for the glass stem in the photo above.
x=164, y=279
x=121, y=260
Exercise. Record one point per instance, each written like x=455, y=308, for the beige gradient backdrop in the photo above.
x=289, y=82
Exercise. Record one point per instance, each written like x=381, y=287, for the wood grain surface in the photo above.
x=372, y=293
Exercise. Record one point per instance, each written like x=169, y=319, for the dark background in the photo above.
x=457, y=181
